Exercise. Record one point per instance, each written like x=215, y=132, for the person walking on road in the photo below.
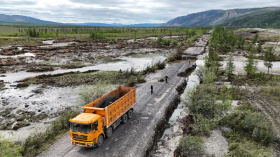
x=152, y=89
x=166, y=77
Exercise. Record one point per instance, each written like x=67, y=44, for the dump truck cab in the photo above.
x=86, y=130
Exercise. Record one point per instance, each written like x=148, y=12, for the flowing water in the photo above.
x=127, y=63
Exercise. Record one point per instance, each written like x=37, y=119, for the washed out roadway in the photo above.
x=136, y=136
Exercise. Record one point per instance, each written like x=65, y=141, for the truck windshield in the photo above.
x=85, y=128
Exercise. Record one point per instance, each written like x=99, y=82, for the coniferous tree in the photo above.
x=251, y=66
x=230, y=67
x=269, y=57
x=259, y=48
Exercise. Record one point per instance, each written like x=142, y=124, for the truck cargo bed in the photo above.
x=113, y=105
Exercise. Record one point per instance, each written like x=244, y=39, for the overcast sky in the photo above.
x=120, y=11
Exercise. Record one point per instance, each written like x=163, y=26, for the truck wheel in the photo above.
x=100, y=140
x=129, y=114
x=124, y=118
x=109, y=132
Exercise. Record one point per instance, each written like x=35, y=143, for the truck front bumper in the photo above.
x=83, y=144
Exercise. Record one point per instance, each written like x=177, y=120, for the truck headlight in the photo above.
x=90, y=144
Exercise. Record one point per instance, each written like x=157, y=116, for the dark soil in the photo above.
x=187, y=121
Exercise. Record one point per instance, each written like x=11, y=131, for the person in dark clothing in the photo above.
x=166, y=77
x=152, y=89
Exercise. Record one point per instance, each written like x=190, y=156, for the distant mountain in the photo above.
x=31, y=20
x=145, y=25
x=22, y=19
x=117, y=24
x=96, y=24
x=215, y=17
x=267, y=19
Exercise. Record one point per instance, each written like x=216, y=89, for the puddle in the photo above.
x=21, y=55
x=51, y=44
x=48, y=42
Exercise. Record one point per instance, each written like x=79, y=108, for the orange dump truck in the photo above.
x=102, y=116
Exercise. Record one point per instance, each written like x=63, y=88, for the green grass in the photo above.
x=9, y=149
x=38, y=142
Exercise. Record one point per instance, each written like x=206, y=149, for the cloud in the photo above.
x=119, y=11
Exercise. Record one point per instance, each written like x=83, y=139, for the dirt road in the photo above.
x=136, y=136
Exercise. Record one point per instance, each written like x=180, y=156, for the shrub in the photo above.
x=35, y=142
x=9, y=149
x=246, y=106
x=200, y=72
x=191, y=146
x=210, y=77
x=227, y=93
x=202, y=100
x=203, y=126
x=240, y=145
x=254, y=123
x=151, y=68
x=160, y=65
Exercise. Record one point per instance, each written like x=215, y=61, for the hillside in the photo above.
x=22, y=19
x=269, y=19
x=215, y=17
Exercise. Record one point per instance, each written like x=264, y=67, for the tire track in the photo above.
x=271, y=110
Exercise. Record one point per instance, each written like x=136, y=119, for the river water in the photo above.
x=126, y=63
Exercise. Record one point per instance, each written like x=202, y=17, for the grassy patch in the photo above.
x=240, y=145
x=273, y=92
x=97, y=34
x=268, y=85
x=38, y=142
x=9, y=149
x=126, y=78
x=253, y=123
x=191, y=146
